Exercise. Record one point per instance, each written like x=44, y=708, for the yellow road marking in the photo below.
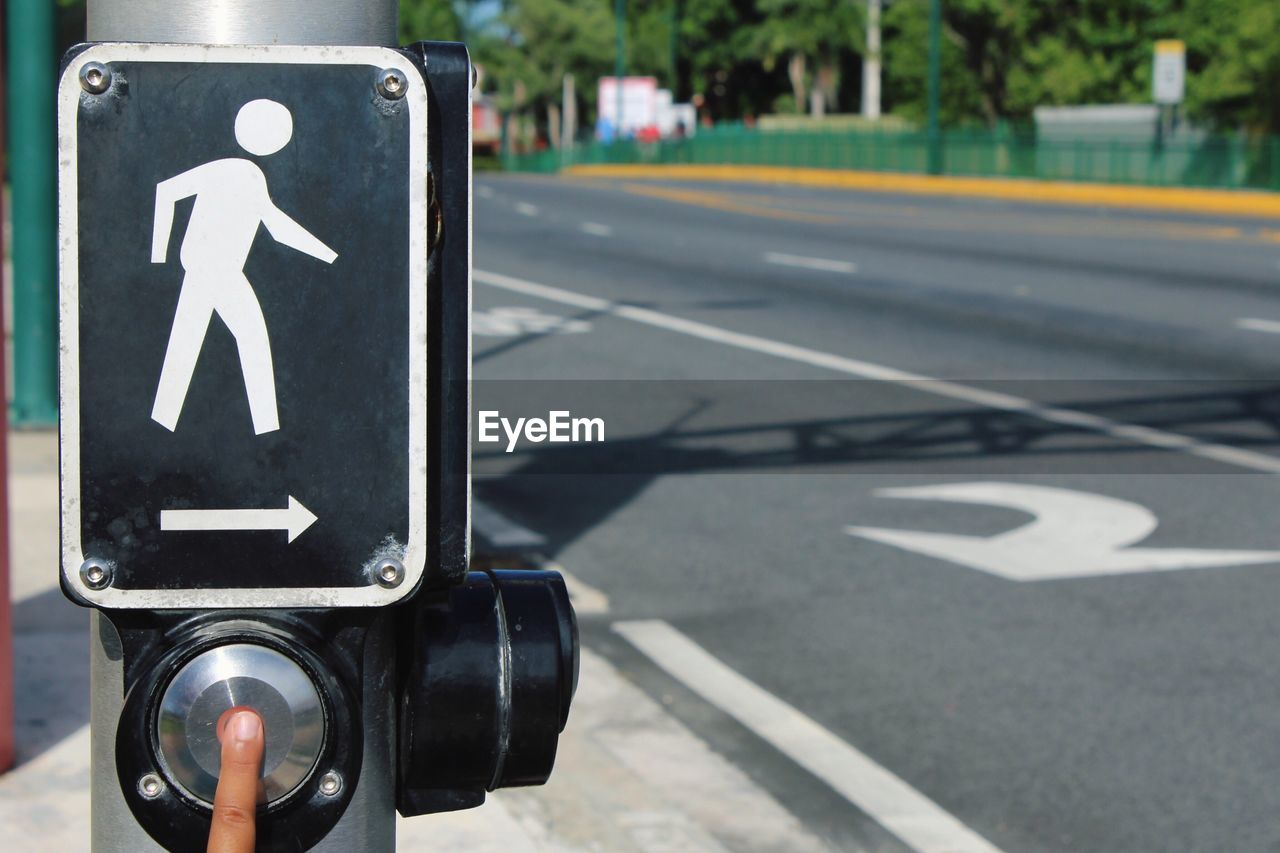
x=757, y=206
x=726, y=201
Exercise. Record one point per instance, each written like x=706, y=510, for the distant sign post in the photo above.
x=244, y=346
x=1169, y=76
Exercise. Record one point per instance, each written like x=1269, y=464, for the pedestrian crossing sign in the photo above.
x=243, y=325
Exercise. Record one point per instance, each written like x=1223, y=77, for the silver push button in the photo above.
x=233, y=676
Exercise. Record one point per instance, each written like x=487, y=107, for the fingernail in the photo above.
x=245, y=726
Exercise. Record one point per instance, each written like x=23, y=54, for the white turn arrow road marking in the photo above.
x=295, y=519
x=1074, y=535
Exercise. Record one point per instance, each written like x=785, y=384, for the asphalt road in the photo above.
x=768, y=361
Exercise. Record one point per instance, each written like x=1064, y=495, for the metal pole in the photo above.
x=935, y=82
x=619, y=61
x=371, y=22
x=32, y=183
x=871, y=63
x=6, y=607
x=369, y=821
x=568, y=119
x=673, y=36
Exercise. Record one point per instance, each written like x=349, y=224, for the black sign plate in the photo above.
x=243, y=326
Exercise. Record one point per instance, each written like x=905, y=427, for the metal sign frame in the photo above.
x=416, y=548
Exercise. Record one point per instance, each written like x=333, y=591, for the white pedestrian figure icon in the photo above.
x=231, y=200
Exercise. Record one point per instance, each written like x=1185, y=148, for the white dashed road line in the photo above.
x=525, y=209
x=1255, y=324
x=596, y=229
x=867, y=370
x=823, y=264
x=895, y=805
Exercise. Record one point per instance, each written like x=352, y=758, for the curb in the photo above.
x=1179, y=199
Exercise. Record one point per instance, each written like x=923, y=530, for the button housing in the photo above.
x=239, y=675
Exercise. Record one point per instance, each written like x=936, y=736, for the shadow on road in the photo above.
x=565, y=490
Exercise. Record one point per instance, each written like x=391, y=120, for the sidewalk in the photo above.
x=628, y=777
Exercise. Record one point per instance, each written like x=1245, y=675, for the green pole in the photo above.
x=619, y=62
x=935, y=75
x=673, y=24
x=32, y=78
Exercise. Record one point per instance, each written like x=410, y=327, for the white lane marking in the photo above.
x=484, y=191
x=596, y=229
x=525, y=209
x=502, y=531
x=1255, y=324
x=867, y=370
x=505, y=533
x=624, y=772
x=518, y=320
x=808, y=263
x=895, y=805
x=295, y=519
x=1074, y=535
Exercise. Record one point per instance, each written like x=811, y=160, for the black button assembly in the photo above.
x=491, y=672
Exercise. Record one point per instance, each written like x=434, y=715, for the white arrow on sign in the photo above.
x=1074, y=534
x=295, y=519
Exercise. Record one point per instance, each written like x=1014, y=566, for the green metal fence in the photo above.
x=1232, y=162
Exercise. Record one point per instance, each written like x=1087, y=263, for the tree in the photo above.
x=542, y=41
x=809, y=33
x=649, y=39
x=1003, y=58
x=906, y=62
x=437, y=20
x=1233, y=62
x=717, y=46
x=1101, y=54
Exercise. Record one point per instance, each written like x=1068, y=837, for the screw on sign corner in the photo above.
x=392, y=84
x=389, y=573
x=95, y=78
x=95, y=574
